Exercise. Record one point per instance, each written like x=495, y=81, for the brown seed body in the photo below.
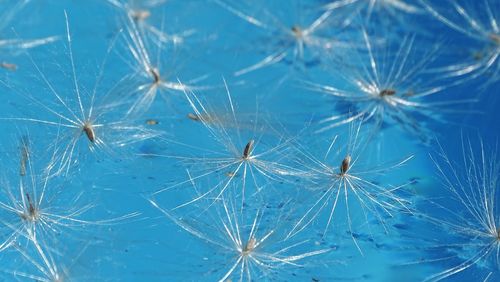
x=248, y=149
x=194, y=117
x=152, y=122
x=249, y=246
x=156, y=75
x=89, y=131
x=495, y=38
x=297, y=31
x=344, y=167
x=8, y=66
x=387, y=92
x=140, y=15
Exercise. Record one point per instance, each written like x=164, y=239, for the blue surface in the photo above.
x=253, y=140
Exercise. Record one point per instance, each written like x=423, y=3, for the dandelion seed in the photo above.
x=256, y=164
x=391, y=89
x=284, y=42
x=40, y=209
x=149, y=76
x=467, y=215
x=478, y=22
x=352, y=187
x=103, y=130
x=263, y=256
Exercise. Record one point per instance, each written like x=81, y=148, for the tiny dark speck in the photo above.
x=401, y=226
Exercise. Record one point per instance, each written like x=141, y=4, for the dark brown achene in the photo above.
x=387, y=92
x=248, y=149
x=344, y=167
x=89, y=131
